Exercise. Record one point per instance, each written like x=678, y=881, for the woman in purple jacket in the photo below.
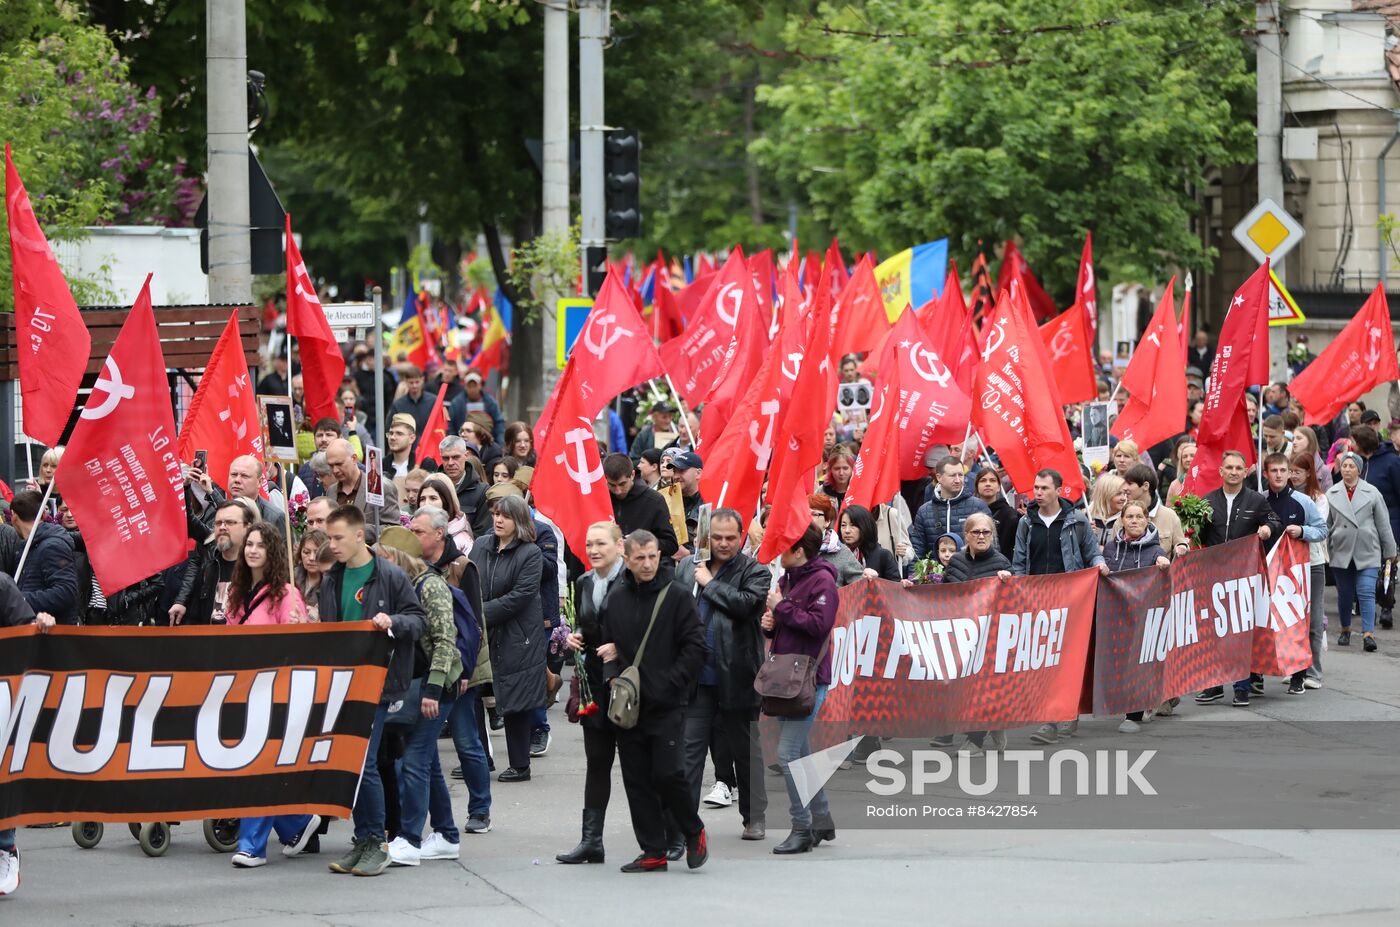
x=800, y=614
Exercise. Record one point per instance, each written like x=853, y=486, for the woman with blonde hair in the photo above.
x=1126, y=455
x=1109, y=496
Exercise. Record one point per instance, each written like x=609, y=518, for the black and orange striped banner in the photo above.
x=174, y=724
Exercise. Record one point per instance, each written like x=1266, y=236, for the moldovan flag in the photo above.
x=53, y=344
x=434, y=430
x=223, y=416
x=494, y=341
x=913, y=276
x=1071, y=358
x=1155, y=381
x=322, y=365
x=122, y=481
x=1360, y=358
x=568, y=485
x=1225, y=422
x=410, y=339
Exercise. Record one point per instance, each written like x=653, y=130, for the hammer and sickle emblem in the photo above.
x=791, y=372
x=763, y=450
x=926, y=364
x=611, y=335
x=579, y=472
x=1059, y=345
x=111, y=384
x=731, y=293
x=994, y=338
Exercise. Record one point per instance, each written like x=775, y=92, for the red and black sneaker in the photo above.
x=646, y=863
x=697, y=850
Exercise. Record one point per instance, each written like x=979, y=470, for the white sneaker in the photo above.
x=9, y=871
x=998, y=740
x=298, y=845
x=436, y=846
x=970, y=749
x=248, y=860
x=720, y=796
x=1045, y=734
x=1310, y=682
x=403, y=853
x=1129, y=726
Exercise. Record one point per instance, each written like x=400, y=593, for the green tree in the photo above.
x=914, y=119
x=84, y=137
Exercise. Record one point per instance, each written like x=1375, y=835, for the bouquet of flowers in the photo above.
x=926, y=571
x=1194, y=513
x=300, y=502
x=581, y=703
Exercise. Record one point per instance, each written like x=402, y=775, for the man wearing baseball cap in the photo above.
x=476, y=403
x=686, y=468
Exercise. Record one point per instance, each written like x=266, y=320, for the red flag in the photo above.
x=861, y=321
x=121, y=475
x=811, y=272
x=704, y=265
x=761, y=267
x=322, y=366
x=434, y=430
x=667, y=322
x=951, y=330
x=1015, y=413
x=835, y=265
x=695, y=359
x=223, y=416
x=1361, y=357
x=568, y=485
x=876, y=475
x=1086, y=293
x=1155, y=381
x=983, y=299
x=932, y=409
x=1071, y=359
x=53, y=343
x=1013, y=265
x=613, y=351
x=747, y=348
x=804, y=428
x=1225, y=423
x=690, y=297
x=740, y=458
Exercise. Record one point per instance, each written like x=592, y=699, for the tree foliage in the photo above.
x=914, y=119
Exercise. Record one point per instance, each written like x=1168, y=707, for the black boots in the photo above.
x=799, y=841
x=590, y=847
x=823, y=828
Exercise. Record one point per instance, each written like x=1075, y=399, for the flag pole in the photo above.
x=1259, y=447
x=988, y=458
x=43, y=504
x=287, y=518
x=685, y=423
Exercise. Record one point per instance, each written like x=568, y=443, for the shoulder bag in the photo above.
x=625, y=702
x=787, y=683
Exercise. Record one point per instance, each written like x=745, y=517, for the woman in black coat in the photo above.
x=978, y=559
x=859, y=533
x=510, y=566
x=604, y=545
x=987, y=487
x=1134, y=545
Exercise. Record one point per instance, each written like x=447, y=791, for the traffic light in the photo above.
x=622, y=164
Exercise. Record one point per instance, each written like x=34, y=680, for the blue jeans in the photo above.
x=1354, y=584
x=368, y=813
x=539, y=720
x=7, y=839
x=794, y=744
x=421, y=775
x=466, y=737
x=253, y=832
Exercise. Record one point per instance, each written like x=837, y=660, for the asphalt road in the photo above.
x=995, y=876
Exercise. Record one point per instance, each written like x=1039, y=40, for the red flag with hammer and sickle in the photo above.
x=120, y=475
x=568, y=485
x=223, y=416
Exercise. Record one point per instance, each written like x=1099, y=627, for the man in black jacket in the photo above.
x=653, y=770
x=209, y=570
x=50, y=578
x=636, y=507
x=730, y=592
x=471, y=493
x=1236, y=511
x=363, y=587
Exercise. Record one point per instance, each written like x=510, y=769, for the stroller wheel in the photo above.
x=221, y=834
x=155, y=838
x=87, y=834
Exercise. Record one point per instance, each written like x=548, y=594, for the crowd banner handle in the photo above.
x=43, y=504
x=287, y=518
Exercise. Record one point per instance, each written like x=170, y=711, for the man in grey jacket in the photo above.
x=1054, y=537
x=730, y=593
x=364, y=587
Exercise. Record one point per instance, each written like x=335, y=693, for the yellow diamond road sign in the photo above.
x=1268, y=231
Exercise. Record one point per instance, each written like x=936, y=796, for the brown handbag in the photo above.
x=787, y=683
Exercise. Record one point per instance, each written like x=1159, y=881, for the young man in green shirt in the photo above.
x=362, y=586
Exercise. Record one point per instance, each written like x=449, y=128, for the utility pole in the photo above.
x=230, y=244
x=556, y=161
x=1269, y=104
x=592, y=33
